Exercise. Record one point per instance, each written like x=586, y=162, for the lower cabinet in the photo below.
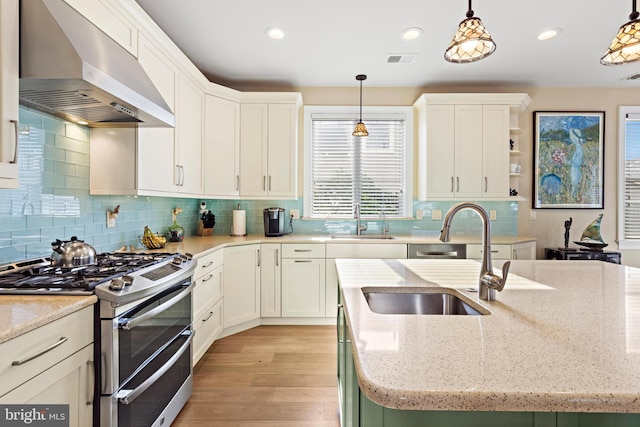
x=207, y=302
x=303, y=280
x=52, y=364
x=502, y=252
x=270, y=280
x=241, y=284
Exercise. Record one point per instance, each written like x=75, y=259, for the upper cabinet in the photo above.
x=154, y=161
x=463, y=145
x=9, y=62
x=107, y=15
x=221, y=147
x=269, y=145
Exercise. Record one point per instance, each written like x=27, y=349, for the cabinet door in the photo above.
x=270, y=268
x=207, y=328
x=9, y=42
x=526, y=250
x=282, y=150
x=189, y=128
x=303, y=288
x=156, y=163
x=253, y=149
x=221, y=147
x=495, y=143
x=106, y=16
x=241, y=284
x=468, y=151
x=440, y=151
x=70, y=382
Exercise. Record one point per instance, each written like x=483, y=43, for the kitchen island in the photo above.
x=560, y=347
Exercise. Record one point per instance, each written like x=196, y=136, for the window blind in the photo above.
x=632, y=177
x=346, y=170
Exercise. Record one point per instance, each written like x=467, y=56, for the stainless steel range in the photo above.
x=143, y=319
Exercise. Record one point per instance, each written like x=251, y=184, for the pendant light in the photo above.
x=626, y=46
x=471, y=42
x=360, y=129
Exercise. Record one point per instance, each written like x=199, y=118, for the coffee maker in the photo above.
x=273, y=222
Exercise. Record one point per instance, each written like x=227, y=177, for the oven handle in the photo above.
x=128, y=396
x=127, y=323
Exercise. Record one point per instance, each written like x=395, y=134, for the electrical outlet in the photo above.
x=295, y=213
x=111, y=221
x=532, y=215
x=419, y=214
x=436, y=214
x=493, y=215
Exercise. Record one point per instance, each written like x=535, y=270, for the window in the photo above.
x=629, y=170
x=342, y=170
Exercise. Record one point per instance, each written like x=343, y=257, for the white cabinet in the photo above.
x=503, y=252
x=353, y=250
x=52, y=364
x=270, y=280
x=154, y=161
x=207, y=302
x=107, y=15
x=221, y=147
x=241, y=284
x=9, y=62
x=303, y=280
x=463, y=145
x=269, y=149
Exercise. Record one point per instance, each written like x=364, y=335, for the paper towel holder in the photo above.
x=239, y=223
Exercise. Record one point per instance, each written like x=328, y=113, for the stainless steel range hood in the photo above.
x=70, y=68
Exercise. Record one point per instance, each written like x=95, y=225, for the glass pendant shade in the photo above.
x=471, y=42
x=626, y=46
x=360, y=130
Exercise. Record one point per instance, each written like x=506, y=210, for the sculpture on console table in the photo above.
x=591, y=238
x=567, y=227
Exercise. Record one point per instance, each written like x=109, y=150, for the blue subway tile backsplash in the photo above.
x=53, y=202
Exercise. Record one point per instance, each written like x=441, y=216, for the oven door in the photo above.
x=156, y=393
x=130, y=341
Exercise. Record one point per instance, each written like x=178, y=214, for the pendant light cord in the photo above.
x=470, y=10
x=634, y=13
x=361, y=99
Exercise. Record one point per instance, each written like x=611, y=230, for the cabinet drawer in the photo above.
x=207, y=263
x=303, y=251
x=207, y=327
x=208, y=291
x=367, y=250
x=63, y=337
x=497, y=251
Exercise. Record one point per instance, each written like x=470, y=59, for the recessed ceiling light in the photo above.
x=275, y=33
x=411, y=33
x=549, y=34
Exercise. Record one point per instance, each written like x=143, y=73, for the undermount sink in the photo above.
x=362, y=237
x=438, y=301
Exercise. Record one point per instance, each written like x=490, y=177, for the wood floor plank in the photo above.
x=269, y=376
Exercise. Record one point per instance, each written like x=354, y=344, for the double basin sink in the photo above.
x=429, y=301
x=362, y=237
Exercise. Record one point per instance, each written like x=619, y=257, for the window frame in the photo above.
x=351, y=113
x=624, y=243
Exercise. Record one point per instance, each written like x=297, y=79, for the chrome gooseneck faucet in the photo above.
x=489, y=282
x=359, y=226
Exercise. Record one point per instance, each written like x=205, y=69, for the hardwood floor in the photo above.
x=269, y=376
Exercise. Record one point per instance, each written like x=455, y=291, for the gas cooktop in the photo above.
x=39, y=276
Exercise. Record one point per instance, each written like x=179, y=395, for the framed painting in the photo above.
x=568, y=160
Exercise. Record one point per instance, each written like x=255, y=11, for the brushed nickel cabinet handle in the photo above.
x=15, y=144
x=91, y=383
x=46, y=350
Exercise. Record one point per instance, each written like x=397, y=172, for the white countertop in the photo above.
x=562, y=336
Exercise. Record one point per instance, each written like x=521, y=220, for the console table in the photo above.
x=582, y=254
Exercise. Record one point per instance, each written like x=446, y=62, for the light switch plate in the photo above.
x=419, y=214
x=436, y=214
x=532, y=215
x=111, y=222
x=295, y=213
x=493, y=215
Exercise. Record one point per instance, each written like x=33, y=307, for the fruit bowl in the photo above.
x=153, y=240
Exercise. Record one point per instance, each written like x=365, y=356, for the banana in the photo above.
x=151, y=240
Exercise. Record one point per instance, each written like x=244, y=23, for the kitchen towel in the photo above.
x=239, y=225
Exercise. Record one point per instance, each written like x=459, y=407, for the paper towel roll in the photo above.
x=239, y=225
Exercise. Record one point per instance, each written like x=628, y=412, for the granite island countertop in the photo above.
x=563, y=336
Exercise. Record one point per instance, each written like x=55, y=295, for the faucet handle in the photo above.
x=505, y=273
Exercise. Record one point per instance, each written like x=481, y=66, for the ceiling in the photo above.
x=328, y=42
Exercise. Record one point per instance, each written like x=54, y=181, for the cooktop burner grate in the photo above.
x=39, y=274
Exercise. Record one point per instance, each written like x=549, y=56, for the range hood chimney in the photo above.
x=71, y=69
